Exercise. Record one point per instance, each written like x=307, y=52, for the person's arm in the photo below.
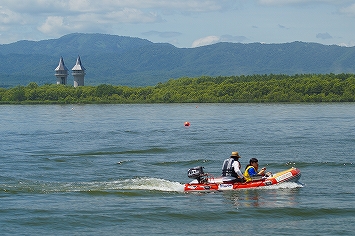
x=237, y=170
x=239, y=173
x=262, y=171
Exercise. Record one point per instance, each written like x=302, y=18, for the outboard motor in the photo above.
x=197, y=173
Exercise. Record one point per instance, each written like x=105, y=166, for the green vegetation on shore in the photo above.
x=231, y=89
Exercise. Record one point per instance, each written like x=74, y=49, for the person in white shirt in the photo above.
x=231, y=167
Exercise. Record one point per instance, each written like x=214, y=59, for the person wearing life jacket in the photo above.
x=251, y=170
x=231, y=167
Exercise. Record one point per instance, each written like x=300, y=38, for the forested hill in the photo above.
x=118, y=60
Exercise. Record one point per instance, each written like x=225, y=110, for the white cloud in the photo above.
x=131, y=15
x=126, y=15
x=349, y=10
x=54, y=17
x=93, y=21
x=88, y=22
x=54, y=24
x=107, y=5
x=205, y=41
x=349, y=44
x=34, y=7
x=9, y=17
x=215, y=39
x=181, y=5
x=301, y=2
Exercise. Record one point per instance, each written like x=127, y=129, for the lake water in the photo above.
x=120, y=169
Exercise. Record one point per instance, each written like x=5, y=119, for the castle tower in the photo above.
x=61, y=72
x=78, y=72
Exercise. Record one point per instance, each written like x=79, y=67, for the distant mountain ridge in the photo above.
x=79, y=43
x=121, y=60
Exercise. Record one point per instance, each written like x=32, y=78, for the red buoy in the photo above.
x=187, y=123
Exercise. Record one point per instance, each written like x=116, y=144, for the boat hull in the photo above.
x=225, y=184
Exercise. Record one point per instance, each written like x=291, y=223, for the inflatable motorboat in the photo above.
x=204, y=182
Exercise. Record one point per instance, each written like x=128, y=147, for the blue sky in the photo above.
x=183, y=23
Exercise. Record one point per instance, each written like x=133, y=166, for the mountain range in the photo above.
x=121, y=60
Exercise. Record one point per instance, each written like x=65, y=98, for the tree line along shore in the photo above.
x=269, y=88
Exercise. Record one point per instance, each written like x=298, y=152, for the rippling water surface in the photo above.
x=120, y=169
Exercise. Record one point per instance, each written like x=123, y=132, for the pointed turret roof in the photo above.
x=78, y=65
x=61, y=65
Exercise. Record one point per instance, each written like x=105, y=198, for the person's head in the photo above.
x=254, y=162
x=235, y=155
